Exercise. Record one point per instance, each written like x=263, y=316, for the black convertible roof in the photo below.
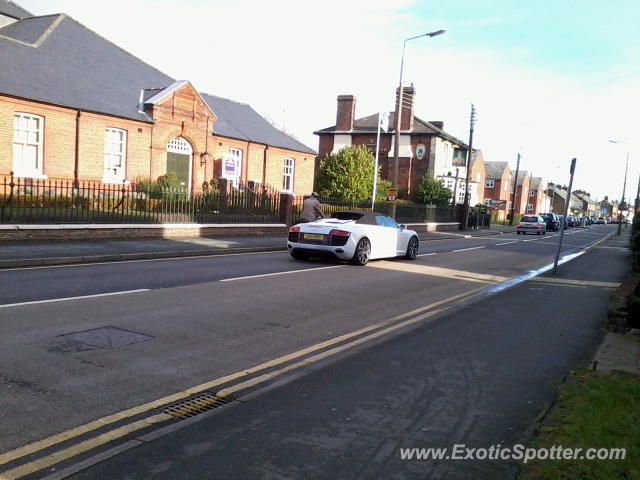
x=360, y=216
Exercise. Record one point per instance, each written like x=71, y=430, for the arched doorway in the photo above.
x=179, y=154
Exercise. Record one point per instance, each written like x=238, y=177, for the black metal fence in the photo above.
x=404, y=213
x=25, y=200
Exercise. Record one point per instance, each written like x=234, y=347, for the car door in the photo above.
x=395, y=244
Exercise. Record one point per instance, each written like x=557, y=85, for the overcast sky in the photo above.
x=555, y=79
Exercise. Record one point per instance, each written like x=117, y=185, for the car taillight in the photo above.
x=339, y=233
x=518, y=226
x=294, y=229
x=538, y=226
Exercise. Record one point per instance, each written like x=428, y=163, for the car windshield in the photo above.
x=529, y=219
x=547, y=216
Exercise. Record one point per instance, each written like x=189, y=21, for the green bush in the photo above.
x=433, y=191
x=348, y=175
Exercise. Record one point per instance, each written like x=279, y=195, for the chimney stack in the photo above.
x=406, y=116
x=346, y=112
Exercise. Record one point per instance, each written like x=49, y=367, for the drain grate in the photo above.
x=195, y=405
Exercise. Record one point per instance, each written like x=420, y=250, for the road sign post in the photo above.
x=564, y=218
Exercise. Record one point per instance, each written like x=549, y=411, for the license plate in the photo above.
x=313, y=236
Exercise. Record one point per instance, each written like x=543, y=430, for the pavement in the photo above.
x=61, y=252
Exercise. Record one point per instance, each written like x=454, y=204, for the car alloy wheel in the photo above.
x=363, y=252
x=412, y=249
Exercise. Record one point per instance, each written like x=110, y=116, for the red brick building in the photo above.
x=425, y=148
x=522, y=194
x=497, y=190
x=75, y=106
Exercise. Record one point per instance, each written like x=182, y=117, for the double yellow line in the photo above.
x=318, y=352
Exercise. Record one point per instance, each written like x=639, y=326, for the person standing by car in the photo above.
x=312, y=210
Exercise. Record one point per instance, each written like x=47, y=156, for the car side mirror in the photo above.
x=403, y=227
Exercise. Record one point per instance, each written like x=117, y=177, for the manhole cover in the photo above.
x=100, y=339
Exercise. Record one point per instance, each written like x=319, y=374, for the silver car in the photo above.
x=531, y=224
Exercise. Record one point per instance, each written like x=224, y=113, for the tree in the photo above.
x=348, y=175
x=433, y=191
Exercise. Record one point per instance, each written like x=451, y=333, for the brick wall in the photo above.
x=181, y=114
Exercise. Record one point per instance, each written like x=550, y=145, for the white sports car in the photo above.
x=354, y=235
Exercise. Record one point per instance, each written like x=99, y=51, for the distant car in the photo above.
x=601, y=221
x=354, y=235
x=552, y=220
x=531, y=224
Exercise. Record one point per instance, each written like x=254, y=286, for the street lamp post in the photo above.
x=396, y=140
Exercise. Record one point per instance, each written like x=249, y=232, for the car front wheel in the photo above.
x=412, y=249
x=363, y=252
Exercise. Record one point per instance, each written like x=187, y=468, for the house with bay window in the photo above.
x=75, y=106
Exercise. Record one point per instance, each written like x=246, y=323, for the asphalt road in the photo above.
x=199, y=328
x=42, y=283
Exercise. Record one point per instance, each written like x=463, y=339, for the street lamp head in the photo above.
x=436, y=33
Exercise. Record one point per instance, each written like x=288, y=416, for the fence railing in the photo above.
x=25, y=200
x=405, y=213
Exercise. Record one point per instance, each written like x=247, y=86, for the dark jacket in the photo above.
x=312, y=211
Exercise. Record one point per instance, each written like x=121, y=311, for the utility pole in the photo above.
x=515, y=191
x=637, y=202
x=564, y=219
x=467, y=193
x=624, y=190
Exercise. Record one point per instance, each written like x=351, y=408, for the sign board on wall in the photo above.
x=229, y=167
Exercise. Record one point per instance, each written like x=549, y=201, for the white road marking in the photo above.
x=506, y=243
x=465, y=249
x=7, y=305
x=279, y=273
x=427, y=254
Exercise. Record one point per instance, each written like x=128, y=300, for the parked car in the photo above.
x=354, y=235
x=552, y=221
x=601, y=221
x=532, y=224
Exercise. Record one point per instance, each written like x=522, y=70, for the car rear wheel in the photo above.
x=363, y=252
x=412, y=249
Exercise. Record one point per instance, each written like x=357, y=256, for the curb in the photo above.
x=123, y=257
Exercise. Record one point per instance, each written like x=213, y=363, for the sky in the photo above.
x=551, y=79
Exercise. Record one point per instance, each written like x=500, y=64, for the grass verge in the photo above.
x=594, y=410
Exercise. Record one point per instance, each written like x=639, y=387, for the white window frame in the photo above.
x=487, y=202
x=115, y=151
x=26, y=137
x=289, y=167
x=529, y=207
x=532, y=193
x=489, y=183
x=237, y=154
